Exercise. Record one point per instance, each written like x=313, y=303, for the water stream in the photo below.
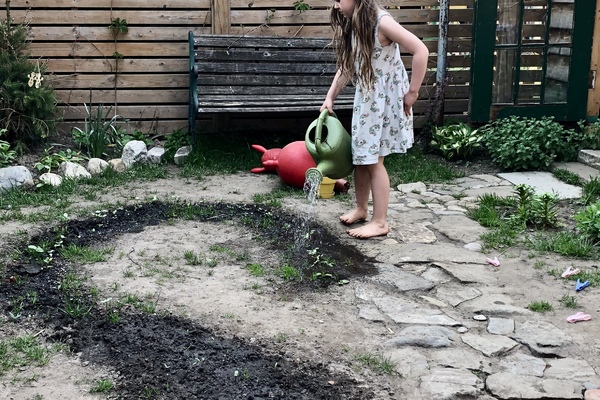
x=302, y=233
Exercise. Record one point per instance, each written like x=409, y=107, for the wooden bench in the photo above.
x=232, y=74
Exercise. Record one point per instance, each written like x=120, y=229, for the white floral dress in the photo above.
x=379, y=124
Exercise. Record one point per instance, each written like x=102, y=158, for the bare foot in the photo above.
x=353, y=216
x=372, y=229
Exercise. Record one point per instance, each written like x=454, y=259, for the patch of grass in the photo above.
x=256, y=269
x=591, y=191
x=84, y=255
x=192, y=258
x=540, y=306
x=377, y=362
x=415, y=166
x=567, y=176
x=102, y=386
x=565, y=243
x=568, y=301
x=505, y=235
x=289, y=273
x=273, y=199
x=22, y=351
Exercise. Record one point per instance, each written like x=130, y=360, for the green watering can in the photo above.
x=330, y=147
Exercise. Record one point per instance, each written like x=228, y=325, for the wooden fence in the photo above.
x=143, y=73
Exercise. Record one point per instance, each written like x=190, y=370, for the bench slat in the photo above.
x=267, y=68
x=275, y=90
x=237, y=55
x=316, y=80
x=233, y=41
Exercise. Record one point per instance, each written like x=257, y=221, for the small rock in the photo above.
x=117, y=165
x=479, y=317
x=462, y=329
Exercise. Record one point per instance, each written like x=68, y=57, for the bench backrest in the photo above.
x=263, y=73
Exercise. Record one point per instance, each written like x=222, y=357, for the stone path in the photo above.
x=463, y=329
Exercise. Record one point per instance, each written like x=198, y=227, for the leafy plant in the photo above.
x=456, y=140
x=7, y=156
x=99, y=132
x=118, y=26
x=588, y=221
x=179, y=138
x=518, y=143
x=301, y=6
x=51, y=161
x=27, y=106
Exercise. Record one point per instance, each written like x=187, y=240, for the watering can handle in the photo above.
x=324, y=114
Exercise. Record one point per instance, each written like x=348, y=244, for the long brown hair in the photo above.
x=354, y=40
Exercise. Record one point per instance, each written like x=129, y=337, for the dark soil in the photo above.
x=165, y=356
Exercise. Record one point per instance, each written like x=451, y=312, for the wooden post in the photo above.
x=221, y=21
x=221, y=13
x=593, y=104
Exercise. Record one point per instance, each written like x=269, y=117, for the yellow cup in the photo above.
x=326, y=188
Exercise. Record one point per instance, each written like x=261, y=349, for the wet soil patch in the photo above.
x=166, y=356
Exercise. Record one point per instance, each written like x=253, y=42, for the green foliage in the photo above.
x=518, y=143
x=588, y=221
x=27, y=107
x=7, y=156
x=590, y=135
x=135, y=135
x=118, y=26
x=591, y=191
x=51, y=161
x=99, y=133
x=301, y=5
x=179, y=138
x=456, y=140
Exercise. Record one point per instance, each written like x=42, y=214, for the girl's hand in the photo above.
x=410, y=99
x=327, y=104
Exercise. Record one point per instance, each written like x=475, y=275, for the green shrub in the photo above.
x=27, y=106
x=7, y=156
x=518, y=143
x=456, y=140
x=588, y=221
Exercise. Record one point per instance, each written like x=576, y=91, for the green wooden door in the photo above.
x=531, y=58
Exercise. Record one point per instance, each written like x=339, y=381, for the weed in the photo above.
x=567, y=176
x=564, y=243
x=22, y=351
x=192, y=258
x=568, y=301
x=281, y=337
x=256, y=269
x=377, y=362
x=540, y=306
x=289, y=273
x=102, y=386
x=84, y=255
x=591, y=191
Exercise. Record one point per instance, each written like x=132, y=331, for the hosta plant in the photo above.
x=518, y=143
x=456, y=140
x=588, y=221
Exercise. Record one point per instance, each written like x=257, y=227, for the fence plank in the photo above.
x=72, y=38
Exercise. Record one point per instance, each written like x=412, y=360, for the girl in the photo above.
x=367, y=41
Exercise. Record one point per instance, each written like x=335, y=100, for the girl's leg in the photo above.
x=379, y=183
x=362, y=189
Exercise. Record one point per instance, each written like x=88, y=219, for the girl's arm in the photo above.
x=394, y=32
x=339, y=82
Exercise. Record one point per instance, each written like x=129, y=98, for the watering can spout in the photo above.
x=330, y=147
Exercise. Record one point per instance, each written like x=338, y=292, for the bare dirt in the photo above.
x=203, y=330
x=159, y=326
